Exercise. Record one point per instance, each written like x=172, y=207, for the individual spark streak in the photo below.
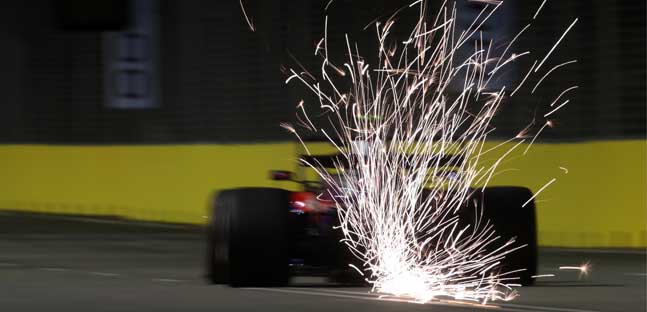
x=556, y=108
x=318, y=46
x=415, y=3
x=538, y=192
x=495, y=2
x=496, y=164
x=289, y=127
x=499, y=145
x=511, y=43
x=524, y=79
x=550, y=71
x=339, y=71
x=310, y=125
x=441, y=26
x=548, y=123
x=327, y=5
x=303, y=69
x=356, y=269
x=543, y=275
x=577, y=268
x=539, y=9
x=511, y=59
x=564, y=169
x=524, y=132
x=560, y=95
x=249, y=21
x=505, y=171
x=556, y=44
x=584, y=268
x=411, y=148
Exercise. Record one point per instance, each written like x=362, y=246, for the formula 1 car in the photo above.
x=261, y=236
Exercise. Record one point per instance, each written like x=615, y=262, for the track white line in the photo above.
x=543, y=308
x=104, y=274
x=368, y=294
x=369, y=298
x=374, y=297
x=303, y=292
x=504, y=305
x=130, y=223
x=166, y=280
x=636, y=274
x=54, y=269
x=106, y=221
x=95, y=273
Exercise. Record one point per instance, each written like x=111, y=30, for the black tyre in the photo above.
x=217, y=267
x=502, y=206
x=248, y=238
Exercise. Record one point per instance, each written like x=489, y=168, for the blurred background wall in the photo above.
x=206, y=114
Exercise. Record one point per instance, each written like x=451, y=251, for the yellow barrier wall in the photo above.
x=600, y=202
x=159, y=183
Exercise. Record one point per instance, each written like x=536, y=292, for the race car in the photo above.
x=259, y=236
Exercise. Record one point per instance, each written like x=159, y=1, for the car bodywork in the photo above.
x=309, y=239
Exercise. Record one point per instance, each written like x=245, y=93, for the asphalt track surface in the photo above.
x=66, y=263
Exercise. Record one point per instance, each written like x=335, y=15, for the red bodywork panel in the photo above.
x=308, y=202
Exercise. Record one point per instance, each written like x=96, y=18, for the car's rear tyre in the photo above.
x=218, y=241
x=502, y=206
x=248, y=238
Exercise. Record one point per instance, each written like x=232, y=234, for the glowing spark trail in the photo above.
x=539, y=191
x=577, y=268
x=584, y=268
x=547, y=124
x=410, y=130
x=550, y=71
x=556, y=44
x=524, y=79
x=560, y=95
x=327, y=5
x=543, y=275
x=539, y=9
x=290, y=128
x=556, y=108
x=249, y=22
